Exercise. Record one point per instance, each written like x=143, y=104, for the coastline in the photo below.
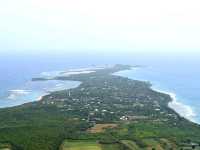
x=182, y=109
x=48, y=76
x=41, y=97
x=47, y=93
x=21, y=96
x=68, y=73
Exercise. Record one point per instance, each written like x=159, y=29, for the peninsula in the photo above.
x=106, y=112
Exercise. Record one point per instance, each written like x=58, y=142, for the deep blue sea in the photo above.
x=175, y=75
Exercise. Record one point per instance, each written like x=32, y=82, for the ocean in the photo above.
x=180, y=82
x=17, y=72
x=177, y=77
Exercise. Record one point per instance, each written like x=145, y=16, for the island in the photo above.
x=106, y=112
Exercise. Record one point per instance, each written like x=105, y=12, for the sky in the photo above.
x=123, y=26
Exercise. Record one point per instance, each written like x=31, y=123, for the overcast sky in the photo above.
x=100, y=25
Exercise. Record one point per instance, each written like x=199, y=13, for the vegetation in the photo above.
x=90, y=145
x=80, y=145
x=141, y=117
x=98, y=128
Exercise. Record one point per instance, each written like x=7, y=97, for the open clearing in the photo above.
x=98, y=128
x=158, y=144
x=80, y=145
x=5, y=147
x=130, y=144
x=88, y=145
x=151, y=143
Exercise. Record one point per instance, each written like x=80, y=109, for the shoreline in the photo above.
x=68, y=73
x=41, y=97
x=182, y=109
x=33, y=98
x=50, y=76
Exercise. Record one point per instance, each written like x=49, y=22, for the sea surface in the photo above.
x=16, y=85
x=177, y=77
x=181, y=83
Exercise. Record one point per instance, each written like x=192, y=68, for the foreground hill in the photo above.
x=106, y=111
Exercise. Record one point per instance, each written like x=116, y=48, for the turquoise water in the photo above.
x=177, y=75
x=182, y=84
x=32, y=91
x=17, y=72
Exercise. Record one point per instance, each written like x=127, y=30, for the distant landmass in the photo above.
x=105, y=112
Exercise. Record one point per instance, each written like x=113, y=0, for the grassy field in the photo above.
x=80, y=145
x=98, y=128
x=111, y=147
x=87, y=145
x=5, y=147
x=130, y=144
x=151, y=143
